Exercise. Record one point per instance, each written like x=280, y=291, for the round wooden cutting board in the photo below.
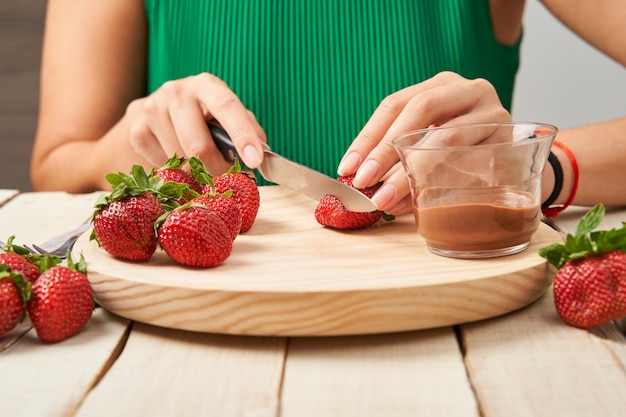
x=290, y=276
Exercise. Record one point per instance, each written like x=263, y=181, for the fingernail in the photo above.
x=366, y=174
x=384, y=195
x=251, y=156
x=349, y=164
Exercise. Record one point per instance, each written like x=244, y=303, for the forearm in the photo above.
x=91, y=70
x=81, y=165
x=600, y=23
x=599, y=150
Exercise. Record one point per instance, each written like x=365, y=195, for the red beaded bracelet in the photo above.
x=553, y=211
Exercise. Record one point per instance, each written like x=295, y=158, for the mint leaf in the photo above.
x=585, y=241
x=590, y=220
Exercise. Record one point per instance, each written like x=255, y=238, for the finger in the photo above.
x=439, y=105
x=385, y=115
x=220, y=102
x=194, y=136
x=145, y=143
x=141, y=137
x=394, y=189
x=257, y=127
x=156, y=114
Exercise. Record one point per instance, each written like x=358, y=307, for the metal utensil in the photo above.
x=60, y=245
x=297, y=177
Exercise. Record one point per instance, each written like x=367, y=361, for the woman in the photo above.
x=133, y=81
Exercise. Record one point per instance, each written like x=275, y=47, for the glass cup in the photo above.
x=476, y=188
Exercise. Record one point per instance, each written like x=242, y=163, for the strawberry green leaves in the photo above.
x=585, y=241
x=139, y=182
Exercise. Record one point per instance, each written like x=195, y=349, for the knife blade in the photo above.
x=300, y=178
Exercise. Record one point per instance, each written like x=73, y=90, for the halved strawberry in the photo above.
x=330, y=211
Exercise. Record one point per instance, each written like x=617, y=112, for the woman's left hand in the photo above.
x=446, y=98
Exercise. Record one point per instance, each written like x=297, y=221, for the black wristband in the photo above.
x=558, y=180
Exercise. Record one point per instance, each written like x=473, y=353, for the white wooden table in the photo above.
x=527, y=363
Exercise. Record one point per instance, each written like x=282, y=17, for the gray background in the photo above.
x=562, y=81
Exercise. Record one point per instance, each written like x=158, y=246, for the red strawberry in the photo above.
x=172, y=171
x=14, y=292
x=20, y=264
x=61, y=302
x=20, y=260
x=125, y=228
x=245, y=193
x=226, y=208
x=194, y=235
x=330, y=211
x=590, y=284
x=23, y=261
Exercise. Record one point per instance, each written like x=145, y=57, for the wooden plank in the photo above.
x=392, y=375
x=51, y=379
x=165, y=372
x=531, y=363
x=37, y=217
x=6, y=195
x=58, y=375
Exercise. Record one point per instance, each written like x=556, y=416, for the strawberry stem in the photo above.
x=586, y=241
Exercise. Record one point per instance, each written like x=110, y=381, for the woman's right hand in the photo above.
x=173, y=120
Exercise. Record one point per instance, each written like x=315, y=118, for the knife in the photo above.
x=297, y=177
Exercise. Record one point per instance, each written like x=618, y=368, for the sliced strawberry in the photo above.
x=330, y=211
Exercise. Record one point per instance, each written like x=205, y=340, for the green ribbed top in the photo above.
x=313, y=71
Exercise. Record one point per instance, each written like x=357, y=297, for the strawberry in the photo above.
x=61, y=302
x=124, y=220
x=125, y=228
x=330, y=211
x=245, y=192
x=194, y=235
x=226, y=208
x=20, y=264
x=19, y=259
x=172, y=171
x=14, y=293
x=590, y=283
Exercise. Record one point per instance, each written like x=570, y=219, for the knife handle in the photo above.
x=223, y=141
